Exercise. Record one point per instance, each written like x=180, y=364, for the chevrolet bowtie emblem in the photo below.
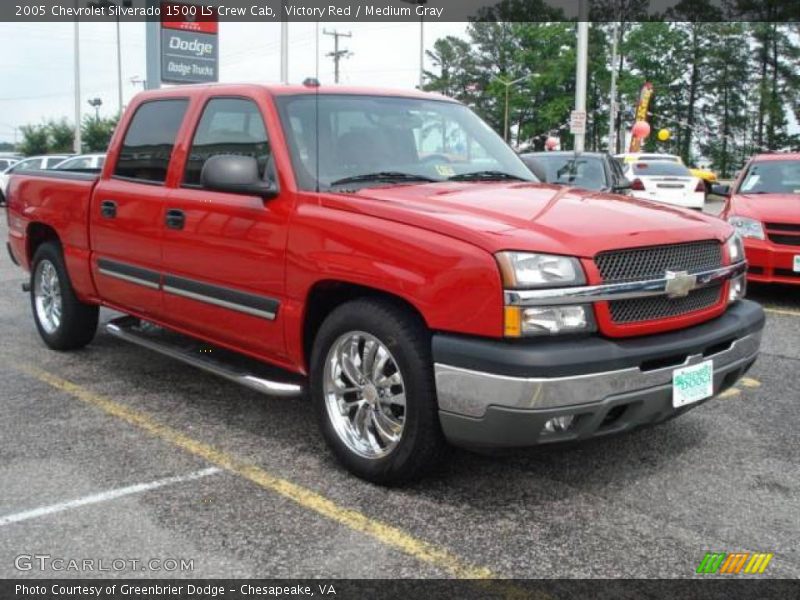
x=679, y=283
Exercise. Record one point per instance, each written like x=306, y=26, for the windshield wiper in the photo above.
x=485, y=176
x=387, y=176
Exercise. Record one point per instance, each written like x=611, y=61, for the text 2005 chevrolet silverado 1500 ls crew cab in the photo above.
x=389, y=253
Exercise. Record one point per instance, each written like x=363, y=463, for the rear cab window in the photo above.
x=148, y=143
x=660, y=169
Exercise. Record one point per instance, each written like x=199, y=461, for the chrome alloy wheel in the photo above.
x=47, y=296
x=364, y=394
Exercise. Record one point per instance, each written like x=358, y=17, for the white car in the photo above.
x=34, y=163
x=7, y=162
x=84, y=162
x=667, y=182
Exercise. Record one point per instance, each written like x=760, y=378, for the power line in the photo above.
x=337, y=54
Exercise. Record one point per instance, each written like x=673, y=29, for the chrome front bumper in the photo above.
x=470, y=393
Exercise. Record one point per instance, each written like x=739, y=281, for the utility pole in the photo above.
x=581, y=70
x=337, y=54
x=612, y=104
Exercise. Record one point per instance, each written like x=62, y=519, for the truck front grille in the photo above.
x=658, y=307
x=639, y=264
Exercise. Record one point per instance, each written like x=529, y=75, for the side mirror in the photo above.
x=236, y=175
x=622, y=185
x=721, y=190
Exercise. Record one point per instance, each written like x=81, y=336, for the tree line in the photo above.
x=724, y=90
x=58, y=136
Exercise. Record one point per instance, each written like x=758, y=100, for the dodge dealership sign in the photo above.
x=189, y=49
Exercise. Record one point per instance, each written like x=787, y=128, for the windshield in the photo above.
x=583, y=171
x=361, y=140
x=660, y=168
x=772, y=177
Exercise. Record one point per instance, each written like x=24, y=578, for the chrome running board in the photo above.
x=232, y=366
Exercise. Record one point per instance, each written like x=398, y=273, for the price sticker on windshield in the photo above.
x=796, y=265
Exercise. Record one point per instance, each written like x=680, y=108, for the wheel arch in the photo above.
x=327, y=295
x=36, y=234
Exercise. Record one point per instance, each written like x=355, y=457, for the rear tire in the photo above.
x=373, y=391
x=63, y=321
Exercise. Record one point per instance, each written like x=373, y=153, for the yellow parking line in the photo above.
x=782, y=311
x=382, y=532
x=749, y=382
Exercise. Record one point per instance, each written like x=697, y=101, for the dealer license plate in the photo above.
x=796, y=265
x=692, y=384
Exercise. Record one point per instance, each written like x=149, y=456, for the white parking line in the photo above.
x=104, y=496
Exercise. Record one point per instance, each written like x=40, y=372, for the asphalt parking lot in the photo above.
x=117, y=453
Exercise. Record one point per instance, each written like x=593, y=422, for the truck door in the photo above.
x=126, y=223
x=224, y=253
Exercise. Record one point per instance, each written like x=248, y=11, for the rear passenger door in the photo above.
x=224, y=253
x=127, y=222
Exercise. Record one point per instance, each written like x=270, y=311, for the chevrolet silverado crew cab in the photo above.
x=389, y=254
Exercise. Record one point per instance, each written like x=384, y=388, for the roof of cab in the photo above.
x=277, y=89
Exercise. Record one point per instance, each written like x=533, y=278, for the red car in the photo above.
x=764, y=206
x=387, y=252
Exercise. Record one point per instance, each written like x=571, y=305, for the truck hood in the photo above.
x=532, y=216
x=768, y=208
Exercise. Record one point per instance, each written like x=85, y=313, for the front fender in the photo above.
x=454, y=285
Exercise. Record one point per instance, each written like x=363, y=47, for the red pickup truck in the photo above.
x=389, y=253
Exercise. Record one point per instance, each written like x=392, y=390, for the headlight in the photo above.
x=747, y=228
x=735, y=248
x=522, y=270
x=548, y=320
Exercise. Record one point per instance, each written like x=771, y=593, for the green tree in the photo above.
x=60, y=135
x=96, y=133
x=34, y=140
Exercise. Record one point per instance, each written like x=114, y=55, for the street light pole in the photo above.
x=77, y=67
x=421, y=41
x=508, y=85
x=284, y=45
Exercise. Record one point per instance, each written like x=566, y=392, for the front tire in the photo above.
x=373, y=391
x=63, y=321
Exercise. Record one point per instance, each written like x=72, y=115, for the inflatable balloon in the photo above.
x=641, y=129
x=663, y=134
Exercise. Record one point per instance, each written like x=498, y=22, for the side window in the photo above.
x=228, y=126
x=148, y=143
x=52, y=162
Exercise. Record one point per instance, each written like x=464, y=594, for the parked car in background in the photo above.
x=33, y=163
x=83, y=162
x=708, y=176
x=764, y=206
x=667, y=182
x=590, y=170
x=5, y=163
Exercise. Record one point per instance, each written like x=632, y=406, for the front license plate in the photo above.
x=796, y=265
x=692, y=384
